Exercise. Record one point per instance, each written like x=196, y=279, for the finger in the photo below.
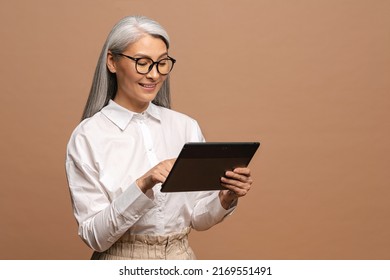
x=230, y=189
x=237, y=184
x=233, y=182
x=159, y=173
x=233, y=190
x=242, y=170
x=163, y=167
x=168, y=164
x=160, y=177
x=239, y=177
x=164, y=172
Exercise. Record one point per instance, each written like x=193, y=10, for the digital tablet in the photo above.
x=200, y=166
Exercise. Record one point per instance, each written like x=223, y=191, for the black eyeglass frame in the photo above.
x=135, y=59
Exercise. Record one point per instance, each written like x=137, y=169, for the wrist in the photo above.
x=227, y=200
x=140, y=184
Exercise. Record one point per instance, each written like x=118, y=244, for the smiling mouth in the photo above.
x=148, y=85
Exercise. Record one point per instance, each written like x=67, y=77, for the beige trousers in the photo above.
x=153, y=247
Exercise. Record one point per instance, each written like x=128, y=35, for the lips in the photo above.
x=148, y=86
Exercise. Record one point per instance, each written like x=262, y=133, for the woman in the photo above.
x=124, y=148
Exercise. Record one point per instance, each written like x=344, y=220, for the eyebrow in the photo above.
x=145, y=55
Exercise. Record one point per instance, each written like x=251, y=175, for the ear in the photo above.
x=111, y=63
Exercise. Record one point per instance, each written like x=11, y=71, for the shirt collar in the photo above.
x=121, y=116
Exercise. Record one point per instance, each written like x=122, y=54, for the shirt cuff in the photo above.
x=133, y=203
x=221, y=212
x=214, y=208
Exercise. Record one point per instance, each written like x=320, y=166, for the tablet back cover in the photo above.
x=200, y=166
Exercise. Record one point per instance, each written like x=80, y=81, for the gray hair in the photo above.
x=104, y=85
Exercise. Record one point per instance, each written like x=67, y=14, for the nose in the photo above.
x=153, y=73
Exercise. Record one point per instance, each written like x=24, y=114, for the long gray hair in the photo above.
x=104, y=86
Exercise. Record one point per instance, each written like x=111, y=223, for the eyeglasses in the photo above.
x=144, y=65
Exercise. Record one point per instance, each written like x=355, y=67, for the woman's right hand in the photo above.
x=157, y=174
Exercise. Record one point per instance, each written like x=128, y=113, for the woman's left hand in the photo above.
x=238, y=183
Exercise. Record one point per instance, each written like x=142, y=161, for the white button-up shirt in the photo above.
x=108, y=152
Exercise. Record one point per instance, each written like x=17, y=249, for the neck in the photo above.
x=133, y=106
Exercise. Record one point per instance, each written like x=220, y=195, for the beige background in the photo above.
x=309, y=79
